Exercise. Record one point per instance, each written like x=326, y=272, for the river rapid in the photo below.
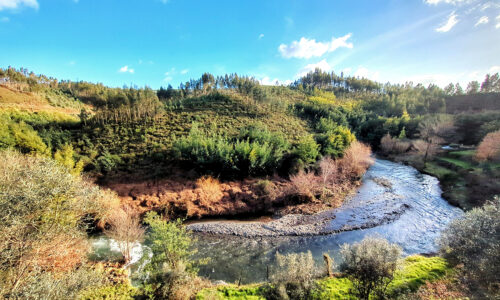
x=395, y=202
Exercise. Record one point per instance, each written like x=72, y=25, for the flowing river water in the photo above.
x=395, y=202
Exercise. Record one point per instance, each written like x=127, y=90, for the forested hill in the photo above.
x=224, y=125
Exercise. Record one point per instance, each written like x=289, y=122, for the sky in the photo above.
x=161, y=42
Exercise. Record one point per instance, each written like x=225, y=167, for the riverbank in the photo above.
x=465, y=182
x=416, y=275
x=381, y=210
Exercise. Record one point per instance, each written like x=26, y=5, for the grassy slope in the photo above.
x=415, y=271
x=45, y=100
x=455, y=169
x=137, y=143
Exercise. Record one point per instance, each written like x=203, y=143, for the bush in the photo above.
x=390, y=145
x=170, y=273
x=489, y=149
x=307, y=150
x=254, y=154
x=474, y=241
x=335, y=141
x=44, y=212
x=370, y=264
x=293, y=276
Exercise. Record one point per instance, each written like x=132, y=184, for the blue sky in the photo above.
x=157, y=42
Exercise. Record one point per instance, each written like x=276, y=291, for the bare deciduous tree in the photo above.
x=125, y=227
x=432, y=134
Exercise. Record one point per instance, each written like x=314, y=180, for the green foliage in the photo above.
x=370, y=265
x=335, y=141
x=415, y=271
x=254, y=153
x=250, y=292
x=307, y=150
x=107, y=162
x=65, y=156
x=170, y=244
x=474, y=242
x=122, y=291
x=43, y=207
x=170, y=271
x=292, y=277
x=20, y=136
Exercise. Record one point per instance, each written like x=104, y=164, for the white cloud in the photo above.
x=15, y=4
x=449, y=24
x=261, y=36
x=494, y=69
x=323, y=65
x=365, y=73
x=268, y=81
x=72, y=63
x=482, y=20
x=346, y=71
x=185, y=71
x=126, y=69
x=306, y=48
x=498, y=22
x=454, y=2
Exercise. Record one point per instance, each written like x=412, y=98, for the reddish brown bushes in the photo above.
x=334, y=177
x=489, y=149
x=391, y=145
x=125, y=227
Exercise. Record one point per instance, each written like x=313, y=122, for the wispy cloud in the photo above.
x=4, y=19
x=365, y=73
x=323, y=65
x=482, y=20
x=16, y=4
x=185, y=71
x=266, y=80
x=126, y=69
x=261, y=36
x=449, y=24
x=307, y=48
x=498, y=22
x=454, y=2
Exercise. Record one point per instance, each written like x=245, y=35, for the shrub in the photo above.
x=256, y=154
x=42, y=232
x=357, y=158
x=65, y=156
x=307, y=150
x=370, y=264
x=293, y=276
x=123, y=291
x=335, y=141
x=474, y=241
x=390, y=145
x=125, y=227
x=170, y=272
x=489, y=149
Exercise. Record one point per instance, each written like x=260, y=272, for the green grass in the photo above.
x=457, y=162
x=248, y=292
x=463, y=153
x=415, y=271
x=438, y=171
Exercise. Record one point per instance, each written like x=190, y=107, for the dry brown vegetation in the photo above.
x=305, y=192
x=391, y=145
x=489, y=149
x=441, y=289
x=125, y=228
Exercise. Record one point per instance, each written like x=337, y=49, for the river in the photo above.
x=395, y=202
